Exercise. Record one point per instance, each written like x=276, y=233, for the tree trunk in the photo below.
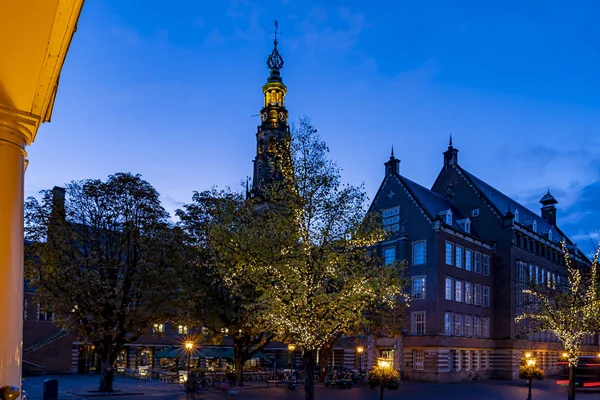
x=106, y=372
x=381, y=391
x=326, y=352
x=571, y=395
x=238, y=361
x=309, y=369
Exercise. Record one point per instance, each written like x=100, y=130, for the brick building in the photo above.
x=467, y=247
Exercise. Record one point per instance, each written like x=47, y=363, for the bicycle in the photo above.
x=473, y=376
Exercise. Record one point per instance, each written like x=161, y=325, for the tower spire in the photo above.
x=275, y=61
x=392, y=156
x=450, y=144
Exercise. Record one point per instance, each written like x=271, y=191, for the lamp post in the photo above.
x=531, y=363
x=383, y=364
x=189, y=346
x=291, y=348
x=360, y=350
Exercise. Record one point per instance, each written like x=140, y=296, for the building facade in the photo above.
x=468, y=248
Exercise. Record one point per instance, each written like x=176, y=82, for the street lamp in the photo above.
x=291, y=348
x=189, y=346
x=531, y=364
x=360, y=350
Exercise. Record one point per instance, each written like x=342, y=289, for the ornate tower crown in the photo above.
x=275, y=61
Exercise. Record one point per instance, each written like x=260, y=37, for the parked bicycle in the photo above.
x=473, y=376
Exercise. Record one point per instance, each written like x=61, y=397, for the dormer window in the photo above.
x=534, y=226
x=475, y=212
x=465, y=224
x=550, y=234
x=447, y=214
x=516, y=215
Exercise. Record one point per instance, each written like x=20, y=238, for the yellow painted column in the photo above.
x=12, y=168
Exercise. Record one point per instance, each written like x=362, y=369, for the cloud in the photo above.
x=323, y=31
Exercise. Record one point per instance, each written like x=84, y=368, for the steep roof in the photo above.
x=502, y=203
x=433, y=203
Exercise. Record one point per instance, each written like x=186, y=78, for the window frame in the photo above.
x=477, y=294
x=485, y=297
x=468, y=293
x=487, y=265
x=449, y=290
x=478, y=262
x=448, y=323
x=412, y=287
x=416, y=324
x=417, y=243
x=385, y=256
x=458, y=293
x=391, y=221
x=469, y=258
x=449, y=252
x=458, y=256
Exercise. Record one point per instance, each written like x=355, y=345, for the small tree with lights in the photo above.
x=383, y=376
x=570, y=310
x=530, y=371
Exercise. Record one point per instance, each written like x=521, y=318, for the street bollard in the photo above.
x=50, y=389
x=9, y=392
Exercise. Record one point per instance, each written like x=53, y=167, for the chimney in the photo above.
x=548, y=209
x=392, y=166
x=450, y=155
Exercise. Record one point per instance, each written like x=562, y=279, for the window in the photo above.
x=182, y=329
x=469, y=260
x=537, y=275
x=550, y=235
x=475, y=357
x=486, y=296
x=418, y=323
x=475, y=212
x=468, y=325
x=419, y=360
x=449, y=253
x=458, y=291
x=477, y=295
x=458, y=324
x=389, y=254
x=465, y=224
x=448, y=322
x=468, y=293
x=159, y=328
x=418, y=250
x=449, y=288
x=453, y=360
x=477, y=326
x=486, y=265
x=485, y=328
x=478, y=262
x=46, y=316
x=484, y=360
x=543, y=276
x=447, y=217
x=458, y=260
x=517, y=215
x=418, y=288
x=534, y=226
x=391, y=219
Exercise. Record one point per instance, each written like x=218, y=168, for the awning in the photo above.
x=169, y=353
x=207, y=353
x=260, y=355
x=224, y=352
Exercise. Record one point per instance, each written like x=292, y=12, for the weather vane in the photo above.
x=275, y=61
x=275, y=32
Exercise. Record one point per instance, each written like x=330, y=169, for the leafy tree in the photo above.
x=326, y=280
x=570, y=310
x=228, y=233
x=105, y=260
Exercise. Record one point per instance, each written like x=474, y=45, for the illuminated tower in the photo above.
x=273, y=135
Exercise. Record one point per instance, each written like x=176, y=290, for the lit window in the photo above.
x=449, y=288
x=448, y=323
x=182, y=329
x=486, y=296
x=418, y=252
x=468, y=293
x=418, y=288
x=458, y=325
x=458, y=291
x=46, y=316
x=469, y=260
x=418, y=323
x=419, y=360
x=449, y=253
x=486, y=265
x=459, y=255
x=159, y=328
x=391, y=219
x=478, y=262
x=389, y=254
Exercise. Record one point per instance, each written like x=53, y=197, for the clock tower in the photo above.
x=273, y=135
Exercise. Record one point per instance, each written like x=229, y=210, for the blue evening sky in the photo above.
x=168, y=90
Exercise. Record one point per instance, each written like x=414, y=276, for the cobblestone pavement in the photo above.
x=72, y=387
